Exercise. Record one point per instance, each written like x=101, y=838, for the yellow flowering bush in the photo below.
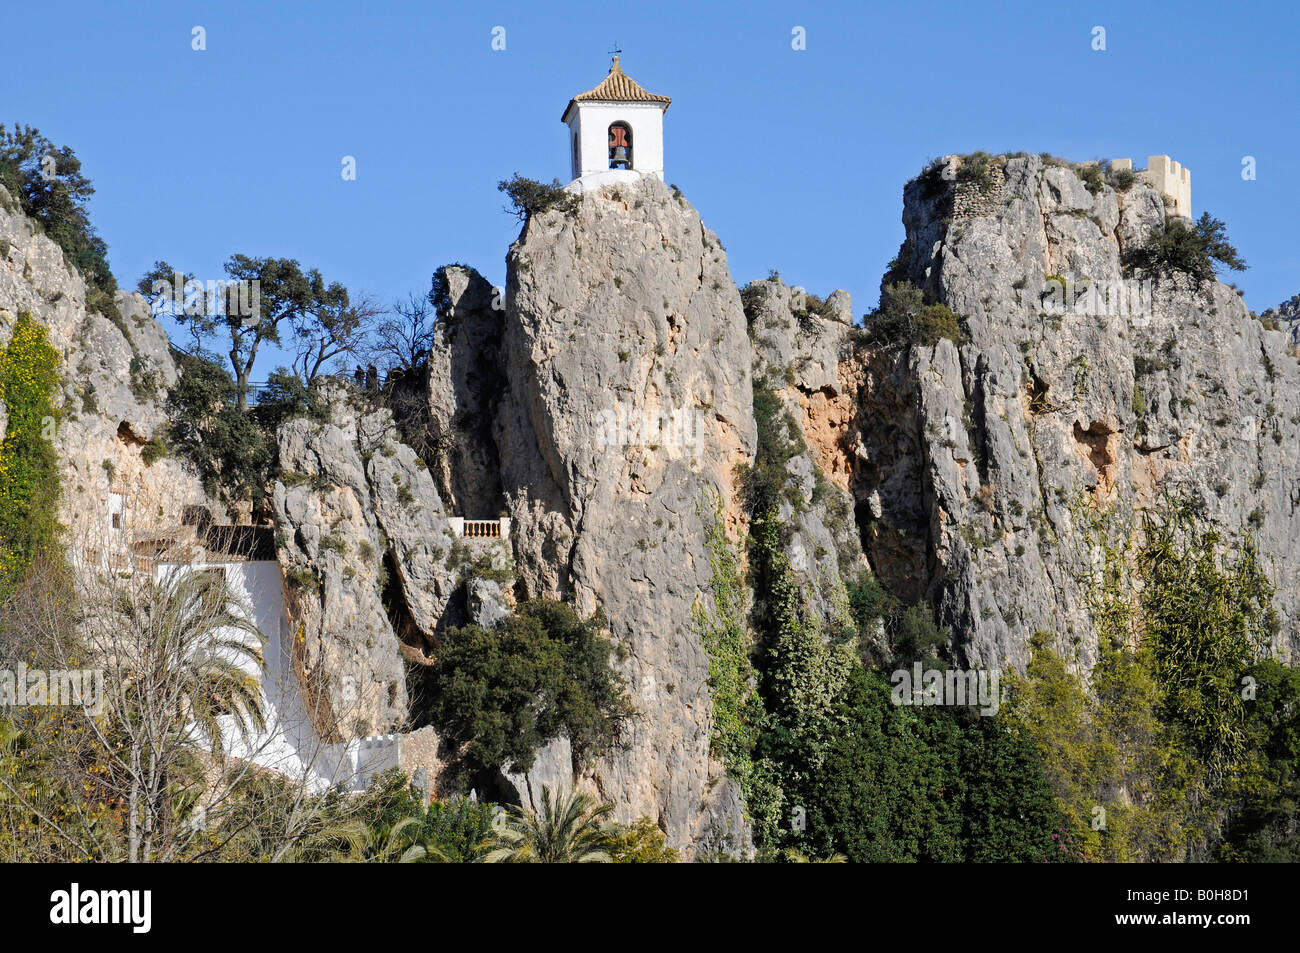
x=29, y=478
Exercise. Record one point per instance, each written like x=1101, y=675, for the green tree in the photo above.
x=232, y=453
x=883, y=789
x=1190, y=249
x=178, y=655
x=1104, y=751
x=1008, y=811
x=1263, y=817
x=256, y=301
x=48, y=182
x=903, y=318
x=503, y=693
x=401, y=827
x=1207, y=618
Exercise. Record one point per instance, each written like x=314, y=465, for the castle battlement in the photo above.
x=1168, y=178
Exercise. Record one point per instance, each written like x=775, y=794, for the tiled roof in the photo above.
x=617, y=87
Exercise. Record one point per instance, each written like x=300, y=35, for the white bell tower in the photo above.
x=616, y=131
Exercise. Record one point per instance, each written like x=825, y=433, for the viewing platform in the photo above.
x=480, y=529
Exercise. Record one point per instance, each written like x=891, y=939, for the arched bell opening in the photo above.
x=620, y=145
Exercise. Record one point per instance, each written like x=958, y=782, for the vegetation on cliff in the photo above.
x=1183, y=744
x=1177, y=247
x=503, y=693
x=53, y=192
x=29, y=466
x=529, y=197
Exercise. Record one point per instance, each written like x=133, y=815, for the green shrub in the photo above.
x=977, y=170
x=529, y=197
x=1139, y=401
x=1121, y=180
x=751, y=300
x=933, y=185
x=104, y=301
x=1094, y=179
x=144, y=381
x=1178, y=248
x=503, y=693
x=287, y=398
x=154, y=450
x=904, y=319
x=302, y=579
x=813, y=306
x=737, y=710
x=1205, y=766
x=779, y=441
x=483, y=567
x=392, y=822
x=641, y=842
x=334, y=544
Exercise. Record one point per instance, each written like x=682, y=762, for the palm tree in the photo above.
x=196, y=645
x=178, y=653
x=570, y=829
x=795, y=856
x=401, y=844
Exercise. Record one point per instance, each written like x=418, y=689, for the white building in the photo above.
x=290, y=744
x=1167, y=177
x=616, y=132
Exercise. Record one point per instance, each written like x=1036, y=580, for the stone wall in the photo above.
x=1167, y=177
x=970, y=200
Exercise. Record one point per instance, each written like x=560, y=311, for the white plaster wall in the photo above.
x=594, y=181
x=290, y=743
x=591, y=122
x=1168, y=176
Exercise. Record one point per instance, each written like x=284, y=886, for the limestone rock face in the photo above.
x=802, y=357
x=411, y=517
x=553, y=769
x=604, y=402
x=627, y=410
x=1287, y=314
x=1180, y=390
x=115, y=376
x=365, y=542
x=465, y=383
x=485, y=603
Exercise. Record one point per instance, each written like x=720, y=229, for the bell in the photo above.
x=620, y=157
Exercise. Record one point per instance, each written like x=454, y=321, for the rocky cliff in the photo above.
x=1287, y=318
x=365, y=545
x=1047, y=407
x=608, y=399
x=115, y=372
x=626, y=410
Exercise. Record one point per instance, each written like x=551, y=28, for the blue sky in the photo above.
x=796, y=159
